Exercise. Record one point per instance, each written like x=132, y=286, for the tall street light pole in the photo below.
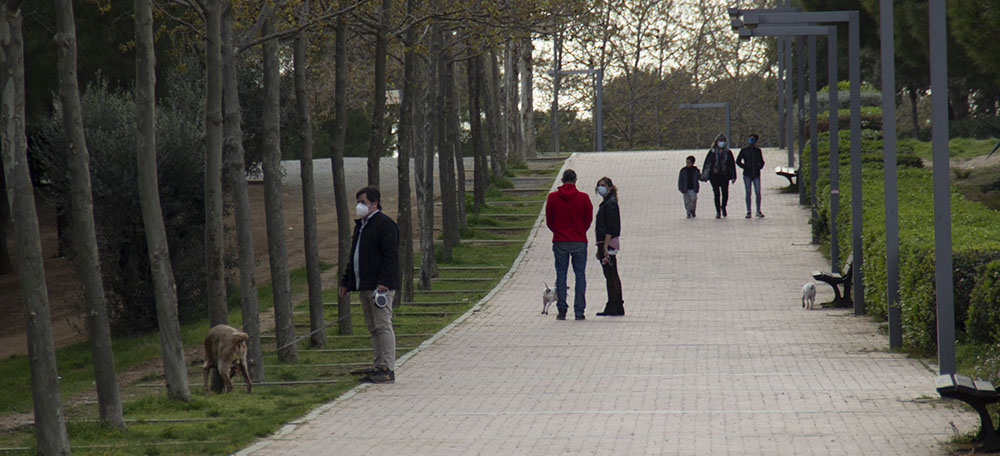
x=598, y=102
x=831, y=33
x=942, y=189
x=851, y=18
x=889, y=168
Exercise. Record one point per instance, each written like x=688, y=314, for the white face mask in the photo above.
x=602, y=190
x=361, y=209
x=722, y=144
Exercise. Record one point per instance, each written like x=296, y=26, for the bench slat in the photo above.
x=965, y=383
x=944, y=382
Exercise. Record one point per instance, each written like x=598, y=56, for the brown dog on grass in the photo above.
x=226, y=349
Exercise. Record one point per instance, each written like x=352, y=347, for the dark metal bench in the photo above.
x=834, y=279
x=787, y=173
x=978, y=394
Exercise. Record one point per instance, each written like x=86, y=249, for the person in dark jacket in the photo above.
x=721, y=170
x=568, y=214
x=608, y=227
x=751, y=159
x=373, y=270
x=687, y=183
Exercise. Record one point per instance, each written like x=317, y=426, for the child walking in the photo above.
x=687, y=183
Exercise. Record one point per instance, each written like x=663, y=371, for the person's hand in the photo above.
x=342, y=291
x=382, y=288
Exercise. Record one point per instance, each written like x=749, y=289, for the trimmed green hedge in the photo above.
x=975, y=240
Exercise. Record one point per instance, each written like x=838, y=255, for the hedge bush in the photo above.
x=983, y=322
x=975, y=237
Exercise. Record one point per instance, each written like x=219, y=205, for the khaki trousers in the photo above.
x=379, y=322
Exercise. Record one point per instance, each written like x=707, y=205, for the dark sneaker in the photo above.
x=748, y=215
x=724, y=212
x=382, y=376
x=561, y=316
x=581, y=317
x=760, y=214
x=365, y=371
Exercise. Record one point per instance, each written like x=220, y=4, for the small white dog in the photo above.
x=548, y=297
x=808, y=295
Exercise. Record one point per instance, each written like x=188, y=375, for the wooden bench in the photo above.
x=834, y=279
x=787, y=173
x=978, y=394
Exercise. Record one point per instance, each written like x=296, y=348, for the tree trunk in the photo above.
x=446, y=155
x=318, y=338
x=337, y=165
x=423, y=162
x=214, y=248
x=85, y=257
x=495, y=117
x=376, y=146
x=5, y=264
x=284, y=327
x=480, y=174
x=455, y=139
x=164, y=288
x=556, y=79
x=515, y=147
x=235, y=173
x=407, y=149
x=50, y=427
x=527, y=99
x=913, y=111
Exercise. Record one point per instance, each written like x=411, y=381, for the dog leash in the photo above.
x=321, y=328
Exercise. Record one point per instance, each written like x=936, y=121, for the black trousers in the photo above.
x=720, y=189
x=615, y=304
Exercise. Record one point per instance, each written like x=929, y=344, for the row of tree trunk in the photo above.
x=428, y=128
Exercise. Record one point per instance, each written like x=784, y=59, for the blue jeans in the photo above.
x=563, y=251
x=755, y=183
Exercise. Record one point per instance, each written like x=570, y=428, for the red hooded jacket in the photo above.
x=568, y=214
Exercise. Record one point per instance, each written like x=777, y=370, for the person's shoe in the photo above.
x=581, y=317
x=759, y=214
x=561, y=316
x=694, y=215
x=602, y=314
x=718, y=214
x=382, y=376
x=748, y=215
x=689, y=215
x=724, y=212
x=365, y=371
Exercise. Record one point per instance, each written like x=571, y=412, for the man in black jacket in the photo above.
x=373, y=270
x=752, y=161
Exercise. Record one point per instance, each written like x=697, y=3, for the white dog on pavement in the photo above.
x=808, y=295
x=548, y=297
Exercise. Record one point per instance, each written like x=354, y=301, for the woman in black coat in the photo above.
x=721, y=169
x=608, y=227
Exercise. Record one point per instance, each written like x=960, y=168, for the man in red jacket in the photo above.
x=568, y=214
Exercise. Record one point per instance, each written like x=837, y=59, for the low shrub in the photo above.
x=983, y=321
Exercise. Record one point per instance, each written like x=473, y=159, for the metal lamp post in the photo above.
x=851, y=18
x=889, y=168
x=729, y=131
x=831, y=33
x=598, y=102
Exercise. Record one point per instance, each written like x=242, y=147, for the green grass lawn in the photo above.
x=958, y=148
x=222, y=424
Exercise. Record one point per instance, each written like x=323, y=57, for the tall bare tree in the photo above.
x=284, y=327
x=50, y=427
x=5, y=263
x=452, y=108
x=337, y=165
x=480, y=179
x=214, y=245
x=527, y=98
x=495, y=117
x=85, y=258
x=376, y=146
x=164, y=288
x=310, y=233
x=512, y=115
x=236, y=174
x=407, y=148
x=445, y=142
x=423, y=160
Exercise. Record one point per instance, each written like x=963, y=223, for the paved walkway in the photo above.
x=715, y=355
